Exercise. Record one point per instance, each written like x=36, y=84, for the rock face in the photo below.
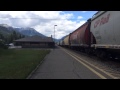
x=29, y=32
x=6, y=29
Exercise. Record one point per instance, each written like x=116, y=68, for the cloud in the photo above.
x=43, y=21
x=79, y=17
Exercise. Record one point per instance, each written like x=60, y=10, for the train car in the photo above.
x=58, y=43
x=66, y=41
x=98, y=36
x=61, y=42
x=80, y=38
x=105, y=27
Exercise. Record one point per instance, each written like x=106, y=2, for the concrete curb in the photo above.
x=37, y=66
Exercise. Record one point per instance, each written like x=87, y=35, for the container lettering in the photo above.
x=102, y=21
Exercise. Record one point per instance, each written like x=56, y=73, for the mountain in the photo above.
x=29, y=31
x=5, y=25
x=56, y=40
x=5, y=29
x=8, y=33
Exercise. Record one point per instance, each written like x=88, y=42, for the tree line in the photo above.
x=7, y=39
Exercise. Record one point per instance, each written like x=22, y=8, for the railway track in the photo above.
x=106, y=69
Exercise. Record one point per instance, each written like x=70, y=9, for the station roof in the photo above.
x=35, y=39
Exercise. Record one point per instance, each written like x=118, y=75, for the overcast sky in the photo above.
x=44, y=21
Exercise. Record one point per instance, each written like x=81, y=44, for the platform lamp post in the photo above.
x=54, y=32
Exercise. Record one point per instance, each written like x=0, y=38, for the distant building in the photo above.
x=35, y=42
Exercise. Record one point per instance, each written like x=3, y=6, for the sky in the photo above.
x=44, y=21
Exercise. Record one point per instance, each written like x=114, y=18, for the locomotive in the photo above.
x=99, y=36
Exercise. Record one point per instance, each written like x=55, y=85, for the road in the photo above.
x=63, y=64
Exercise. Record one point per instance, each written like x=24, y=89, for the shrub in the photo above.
x=2, y=45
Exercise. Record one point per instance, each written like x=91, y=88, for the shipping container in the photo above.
x=81, y=36
x=66, y=40
x=61, y=42
x=105, y=27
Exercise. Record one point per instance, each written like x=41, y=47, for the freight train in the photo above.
x=99, y=36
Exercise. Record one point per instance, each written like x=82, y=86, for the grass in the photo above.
x=18, y=64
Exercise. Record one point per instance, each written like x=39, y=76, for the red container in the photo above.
x=80, y=37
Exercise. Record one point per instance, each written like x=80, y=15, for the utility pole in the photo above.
x=54, y=32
